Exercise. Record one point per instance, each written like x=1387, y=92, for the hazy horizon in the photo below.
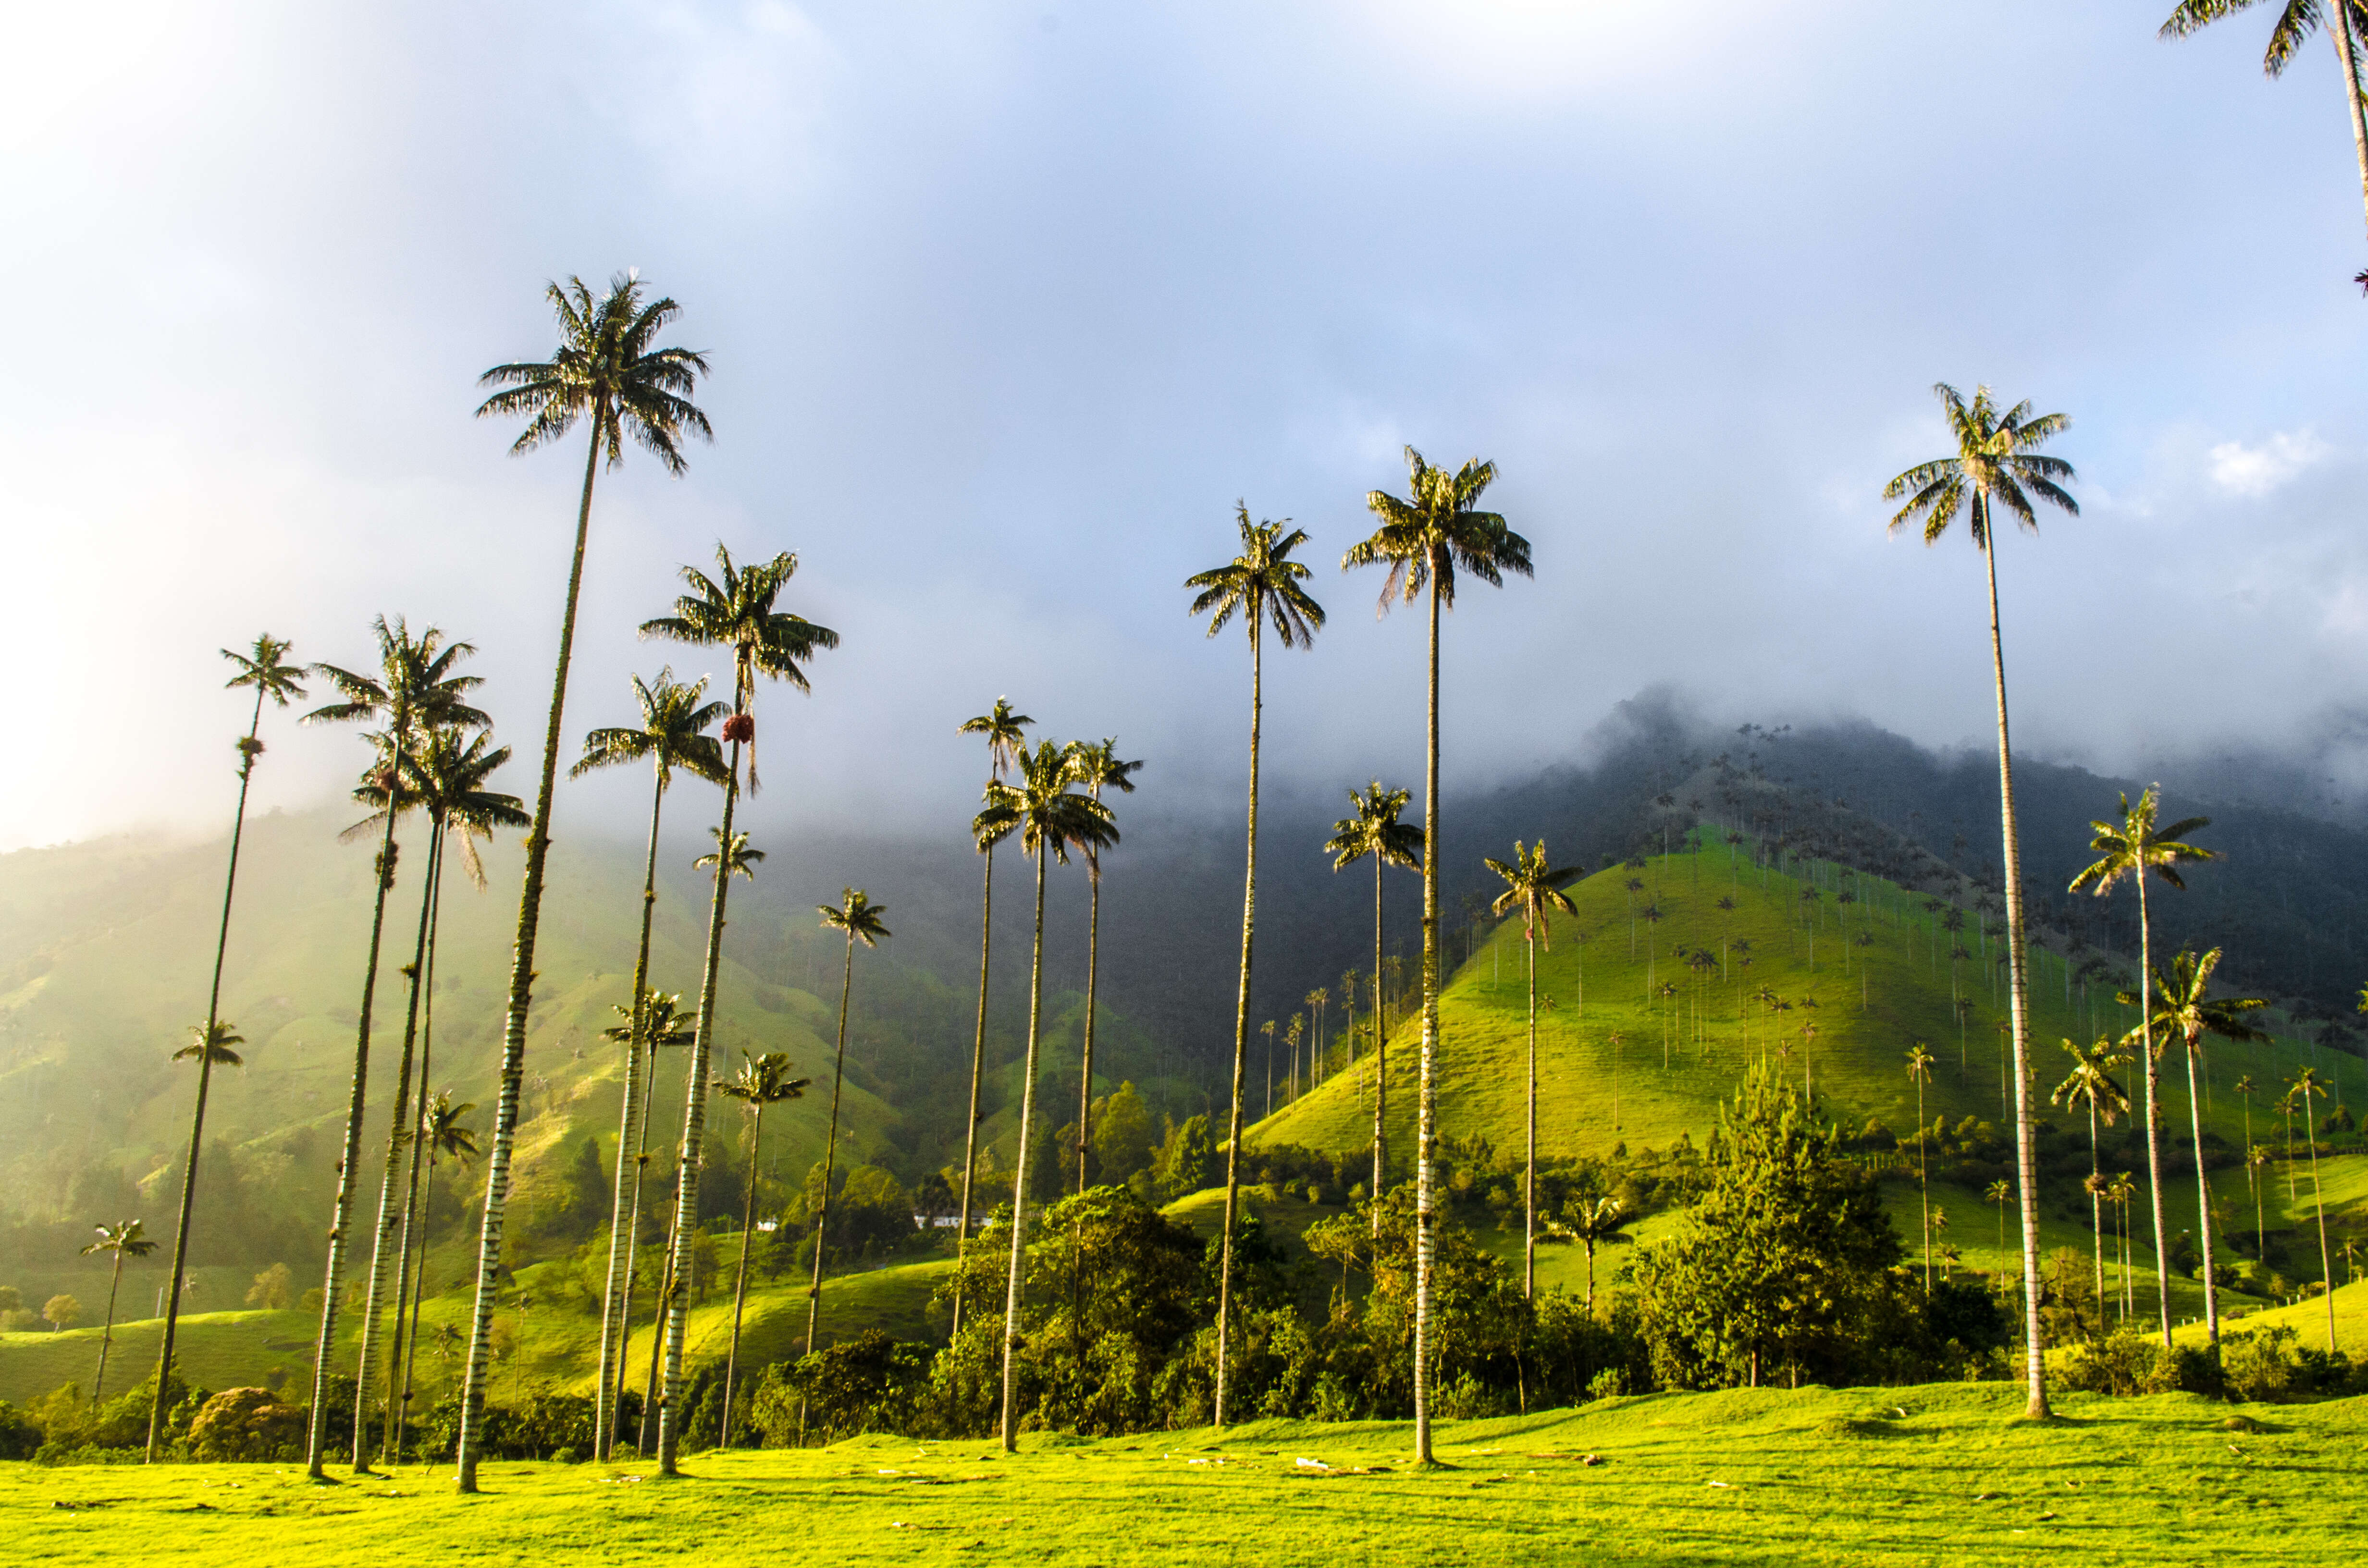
x=1008, y=308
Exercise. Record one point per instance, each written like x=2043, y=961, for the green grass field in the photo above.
x=1677, y=1057
x=1919, y=1475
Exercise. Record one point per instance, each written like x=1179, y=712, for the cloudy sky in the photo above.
x=1009, y=305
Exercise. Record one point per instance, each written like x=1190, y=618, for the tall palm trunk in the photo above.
x=2203, y=1206
x=623, y=1213
x=740, y=1284
x=2026, y=1152
x=390, y=1179
x=408, y=1281
x=419, y=1292
x=1924, y=1184
x=205, y=1077
x=1381, y=1059
x=676, y=1299
x=1241, y=1040
x=1085, y=1113
x=1530, y=1170
x=2346, y=48
x=830, y=1150
x=2153, y=1132
x=1019, y=1184
x=1426, y=1213
x=521, y=1001
x=2097, y=1212
x=1086, y=1063
x=107, y=1334
x=2318, y=1199
x=632, y=1252
x=349, y=1160
x=647, y=1430
x=977, y=1068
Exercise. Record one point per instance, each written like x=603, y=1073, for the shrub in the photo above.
x=19, y=1435
x=246, y=1423
x=2260, y=1364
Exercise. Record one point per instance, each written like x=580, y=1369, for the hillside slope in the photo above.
x=1621, y=1062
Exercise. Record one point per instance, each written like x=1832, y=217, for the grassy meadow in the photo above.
x=1917, y=1475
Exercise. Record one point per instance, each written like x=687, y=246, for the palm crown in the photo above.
x=1375, y=830
x=214, y=1046
x=445, y=775
x=262, y=670
x=738, y=859
x=1435, y=531
x=1045, y=808
x=605, y=370
x=2297, y=20
x=123, y=1239
x=2129, y=848
x=1533, y=888
x=1261, y=584
x=661, y=1020
x=2090, y=1081
x=441, y=1128
x=763, y=1080
x=1005, y=730
x=856, y=914
x=734, y=610
x=2182, y=1008
x=671, y=735
x=451, y=775
x=1997, y=464
x=414, y=692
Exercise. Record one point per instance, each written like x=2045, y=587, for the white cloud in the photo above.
x=2254, y=471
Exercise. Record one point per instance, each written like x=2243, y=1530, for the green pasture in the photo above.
x=1679, y=1056
x=1877, y=1476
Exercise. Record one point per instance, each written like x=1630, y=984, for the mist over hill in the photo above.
x=104, y=947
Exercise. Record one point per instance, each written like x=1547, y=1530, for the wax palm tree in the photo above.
x=1291, y=1036
x=1533, y=889
x=2090, y=1086
x=856, y=914
x=1372, y=832
x=1920, y=1070
x=445, y=1137
x=672, y=735
x=2181, y=1010
x=1997, y=464
x=608, y=373
x=265, y=670
x=1267, y=1028
x=1261, y=585
x=123, y=1239
x=444, y=775
x=1051, y=818
x=736, y=611
x=656, y=1023
x=2128, y=849
x=1999, y=1192
x=2257, y=1171
x=416, y=692
x=1098, y=768
x=1315, y=1001
x=1006, y=732
x=2306, y=1084
x=2296, y=21
x=1425, y=538
x=762, y=1081
x=447, y=780
x=1593, y=1224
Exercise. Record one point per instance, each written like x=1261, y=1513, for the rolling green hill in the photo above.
x=1618, y=1064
